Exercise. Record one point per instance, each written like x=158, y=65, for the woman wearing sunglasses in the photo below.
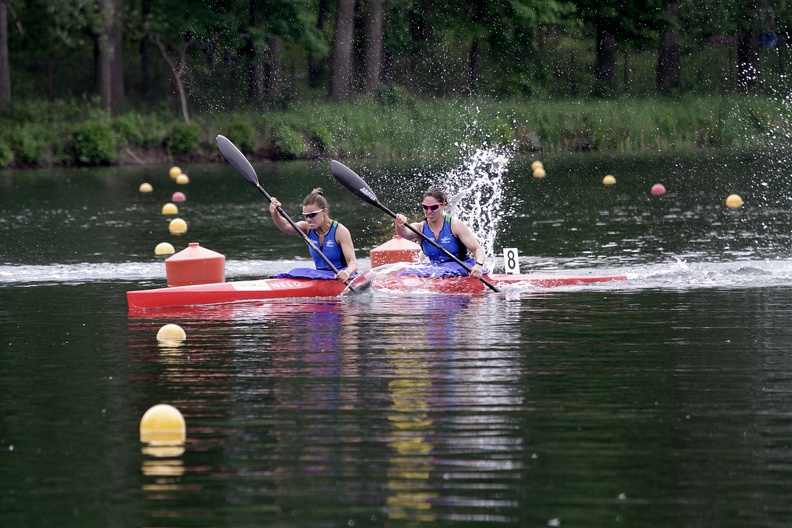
x=450, y=233
x=332, y=238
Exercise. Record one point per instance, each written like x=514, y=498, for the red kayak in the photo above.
x=415, y=284
x=266, y=289
x=229, y=292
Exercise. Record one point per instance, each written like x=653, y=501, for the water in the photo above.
x=659, y=401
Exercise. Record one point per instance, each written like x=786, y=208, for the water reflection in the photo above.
x=422, y=389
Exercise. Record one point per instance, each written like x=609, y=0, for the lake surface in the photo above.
x=662, y=400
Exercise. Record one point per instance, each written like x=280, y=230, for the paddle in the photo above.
x=243, y=166
x=355, y=183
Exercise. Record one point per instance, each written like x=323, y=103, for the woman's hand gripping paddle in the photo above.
x=243, y=166
x=355, y=183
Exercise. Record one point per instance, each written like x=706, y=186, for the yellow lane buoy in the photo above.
x=539, y=172
x=163, y=424
x=145, y=188
x=182, y=179
x=163, y=248
x=734, y=201
x=171, y=332
x=608, y=180
x=536, y=165
x=177, y=226
x=174, y=172
x=170, y=209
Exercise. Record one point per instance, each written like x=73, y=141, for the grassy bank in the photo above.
x=81, y=134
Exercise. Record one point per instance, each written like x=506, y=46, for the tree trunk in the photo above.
x=668, y=69
x=473, y=54
x=274, y=70
x=317, y=68
x=748, y=66
x=257, y=73
x=605, y=67
x=145, y=56
x=341, y=76
x=372, y=58
x=5, y=63
x=105, y=55
x=472, y=73
x=178, y=66
x=421, y=32
x=117, y=32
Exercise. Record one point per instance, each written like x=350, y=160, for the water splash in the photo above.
x=476, y=189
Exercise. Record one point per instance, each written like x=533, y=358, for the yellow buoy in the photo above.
x=170, y=209
x=539, y=172
x=146, y=188
x=177, y=226
x=182, y=179
x=163, y=424
x=608, y=180
x=163, y=248
x=171, y=332
x=536, y=165
x=174, y=172
x=734, y=201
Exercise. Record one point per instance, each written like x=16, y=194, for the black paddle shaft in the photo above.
x=243, y=166
x=355, y=183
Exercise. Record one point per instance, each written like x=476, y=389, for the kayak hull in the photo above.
x=408, y=283
x=267, y=289
x=230, y=292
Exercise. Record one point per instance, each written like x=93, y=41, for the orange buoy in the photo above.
x=397, y=249
x=195, y=265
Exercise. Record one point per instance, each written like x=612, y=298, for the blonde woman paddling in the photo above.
x=331, y=237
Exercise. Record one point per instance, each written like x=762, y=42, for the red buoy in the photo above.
x=195, y=265
x=397, y=249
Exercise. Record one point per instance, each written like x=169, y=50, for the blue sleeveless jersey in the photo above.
x=447, y=241
x=331, y=249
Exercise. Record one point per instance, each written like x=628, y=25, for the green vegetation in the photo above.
x=82, y=134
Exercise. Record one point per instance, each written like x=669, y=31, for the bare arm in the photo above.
x=465, y=235
x=399, y=221
x=281, y=222
x=344, y=238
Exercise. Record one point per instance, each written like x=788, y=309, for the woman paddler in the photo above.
x=332, y=239
x=450, y=233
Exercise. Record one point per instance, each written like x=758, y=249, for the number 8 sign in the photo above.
x=511, y=261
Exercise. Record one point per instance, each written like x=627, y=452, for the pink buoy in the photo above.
x=658, y=189
x=178, y=196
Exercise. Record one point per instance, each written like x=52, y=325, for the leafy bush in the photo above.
x=289, y=143
x=30, y=144
x=322, y=136
x=184, y=138
x=94, y=144
x=141, y=131
x=6, y=154
x=243, y=135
